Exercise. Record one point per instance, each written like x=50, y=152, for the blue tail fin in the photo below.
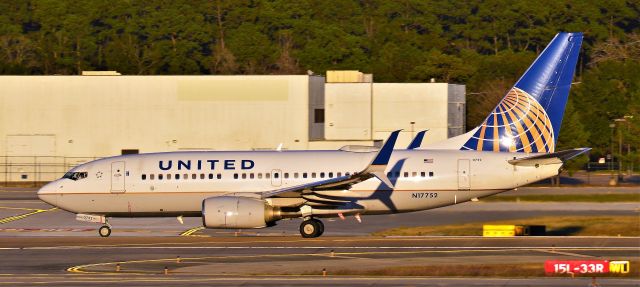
x=528, y=118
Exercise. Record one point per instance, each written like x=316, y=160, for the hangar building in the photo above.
x=48, y=124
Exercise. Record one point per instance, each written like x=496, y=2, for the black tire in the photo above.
x=320, y=227
x=310, y=228
x=104, y=231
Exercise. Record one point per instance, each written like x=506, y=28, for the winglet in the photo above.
x=379, y=163
x=383, y=156
x=417, y=141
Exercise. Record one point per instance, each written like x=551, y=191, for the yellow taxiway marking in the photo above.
x=565, y=253
x=191, y=231
x=22, y=216
x=345, y=255
x=19, y=208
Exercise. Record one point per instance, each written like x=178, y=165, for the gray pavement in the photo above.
x=285, y=281
x=54, y=222
x=246, y=261
x=39, y=245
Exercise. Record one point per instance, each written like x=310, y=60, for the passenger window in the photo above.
x=244, y=176
x=159, y=176
x=151, y=176
x=169, y=176
x=331, y=174
x=235, y=176
x=414, y=174
x=286, y=175
x=202, y=176
x=431, y=174
x=219, y=176
x=295, y=175
x=304, y=175
x=406, y=174
x=313, y=175
x=276, y=175
x=423, y=174
x=347, y=173
x=211, y=176
x=267, y=175
x=322, y=175
x=251, y=175
x=259, y=175
x=144, y=177
x=194, y=176
x=339, y=174
x=185, y=176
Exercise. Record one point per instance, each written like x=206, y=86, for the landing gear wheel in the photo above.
x=321, y=227
x=104, y=231
x=311, y=228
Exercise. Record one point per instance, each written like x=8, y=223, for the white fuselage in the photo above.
x=146, y=184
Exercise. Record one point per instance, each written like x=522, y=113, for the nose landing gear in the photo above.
x=104, y=231
x=311, y=228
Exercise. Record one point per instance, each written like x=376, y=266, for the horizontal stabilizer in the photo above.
x=549, y=158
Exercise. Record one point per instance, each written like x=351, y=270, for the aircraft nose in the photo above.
x=47, y=193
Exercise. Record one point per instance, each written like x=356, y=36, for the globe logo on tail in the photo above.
x=518, y=124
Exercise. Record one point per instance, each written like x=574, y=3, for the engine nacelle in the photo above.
x=237, y=212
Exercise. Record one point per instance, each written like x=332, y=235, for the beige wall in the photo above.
x=101, y=115
x=48, y=124
x=348, y=111
x=370, y=111
x=395, y=106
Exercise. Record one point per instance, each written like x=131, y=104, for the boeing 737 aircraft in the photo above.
x=514, y=146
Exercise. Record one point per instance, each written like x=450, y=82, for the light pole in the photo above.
x=625, y=119
x=612, y=181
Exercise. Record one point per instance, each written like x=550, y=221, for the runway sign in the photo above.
x=585, y=267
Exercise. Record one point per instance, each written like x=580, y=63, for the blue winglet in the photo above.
x=385, y=153
x=417, y=141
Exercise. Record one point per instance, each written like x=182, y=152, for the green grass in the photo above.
x=485, y=270
x=600, y=197
x=556, y=225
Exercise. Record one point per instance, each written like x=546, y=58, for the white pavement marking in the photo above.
x=576, y=248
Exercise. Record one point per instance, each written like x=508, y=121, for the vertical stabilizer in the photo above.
x=529, y=117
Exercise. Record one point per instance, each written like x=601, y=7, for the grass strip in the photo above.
x=600, y=197
x=556, y=225
x=473, y=270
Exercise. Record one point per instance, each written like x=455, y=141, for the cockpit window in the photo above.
x=75, y=175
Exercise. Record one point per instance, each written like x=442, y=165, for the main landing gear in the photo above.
x=104, y=231
x=311, y=228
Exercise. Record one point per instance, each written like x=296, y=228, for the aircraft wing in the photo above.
x=549, y=158
x=375, y=169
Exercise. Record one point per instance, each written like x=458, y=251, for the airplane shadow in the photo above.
x=383, y=192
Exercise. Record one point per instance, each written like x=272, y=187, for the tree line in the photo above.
x=483, y=44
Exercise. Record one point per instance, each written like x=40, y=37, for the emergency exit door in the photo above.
x=463, y=174
x=117, y=176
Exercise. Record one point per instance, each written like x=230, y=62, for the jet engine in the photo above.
x=238, y=212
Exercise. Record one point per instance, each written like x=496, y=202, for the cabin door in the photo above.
x=117, y=177
x=276, y=177
x=463, y=174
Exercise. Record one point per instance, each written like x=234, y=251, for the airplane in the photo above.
x=514, y=146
